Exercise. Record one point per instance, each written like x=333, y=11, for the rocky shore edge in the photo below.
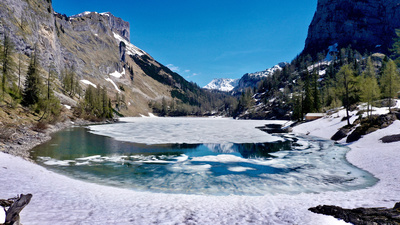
x=23, y=138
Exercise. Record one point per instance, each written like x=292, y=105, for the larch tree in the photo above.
x=390, y=82
x=369, y=86
x=346, y=85
x=6, y=62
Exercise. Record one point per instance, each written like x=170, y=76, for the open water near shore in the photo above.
x=201, y=158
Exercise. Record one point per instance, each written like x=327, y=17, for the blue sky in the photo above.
x=207, y=39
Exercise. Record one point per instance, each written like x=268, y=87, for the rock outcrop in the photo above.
x=363, y=24
x=362, y=216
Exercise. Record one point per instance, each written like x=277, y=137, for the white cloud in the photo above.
x=193, y=75
x=173, y=67
x=187, y=71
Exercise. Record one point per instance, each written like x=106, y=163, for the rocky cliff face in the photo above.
x=363, y=24
x=96, y=45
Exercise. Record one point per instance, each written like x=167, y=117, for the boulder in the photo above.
x=362, y=216
x=340, y=134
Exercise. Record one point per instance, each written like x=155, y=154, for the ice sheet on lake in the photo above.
x=155, y=130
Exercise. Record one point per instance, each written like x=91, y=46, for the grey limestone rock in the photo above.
x=363, y=24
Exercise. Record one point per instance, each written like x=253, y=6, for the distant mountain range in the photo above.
x=222, y=84
x=247, y=80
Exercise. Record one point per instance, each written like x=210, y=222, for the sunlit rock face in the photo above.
x=363, y=24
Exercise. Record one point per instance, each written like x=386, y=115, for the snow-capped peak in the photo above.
x=222, y=84
x=82, y=14
x=269, y=71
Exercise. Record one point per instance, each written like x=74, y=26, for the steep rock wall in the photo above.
x=363, y=24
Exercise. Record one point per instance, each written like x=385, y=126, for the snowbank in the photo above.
x=58, y=199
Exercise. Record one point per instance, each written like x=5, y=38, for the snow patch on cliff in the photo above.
x=88, y=83
x=112, y=82
x=131, y=49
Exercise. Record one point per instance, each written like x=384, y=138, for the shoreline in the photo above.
x=62, y=200
x=25, y=139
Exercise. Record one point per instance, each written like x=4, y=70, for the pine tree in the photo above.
x=390, y=82
x=33, y=86
x=308, y=101
x=316, y=93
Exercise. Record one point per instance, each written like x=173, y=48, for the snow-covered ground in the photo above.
x=58, y=199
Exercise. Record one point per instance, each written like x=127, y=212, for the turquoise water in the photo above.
x=295, y=165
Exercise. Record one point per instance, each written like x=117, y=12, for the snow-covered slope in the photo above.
x=251, y=79
x=267, y=72
x=222, y=84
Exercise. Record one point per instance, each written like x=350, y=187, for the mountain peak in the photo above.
x=222, y=84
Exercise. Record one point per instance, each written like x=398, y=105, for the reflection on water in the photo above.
x=292, y=166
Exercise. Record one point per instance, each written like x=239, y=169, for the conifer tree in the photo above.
x=390, y=82
x=308, y=101
x=33, y=86
x=316, y=93
x=6, y=62
x=50, y=104
x=396, y=47
x=369, y=86
x=346, y=86
x=69, y=81
x=19, y=71
x=96, y=103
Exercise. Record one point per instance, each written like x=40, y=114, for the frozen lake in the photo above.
x=210, y=156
